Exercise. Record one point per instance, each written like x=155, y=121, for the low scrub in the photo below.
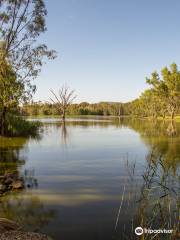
x=17, y=126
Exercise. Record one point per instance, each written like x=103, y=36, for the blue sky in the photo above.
x=106, y=48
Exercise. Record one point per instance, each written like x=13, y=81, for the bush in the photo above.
x=17, y=126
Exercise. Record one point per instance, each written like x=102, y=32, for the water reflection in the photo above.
x=151, y=197
x=29, y=178
x=10, y=154
x=64, y=133
x=84, y=183
x=65, y=127
x=154, y=203
x=172, y=130
x=10, y=149
x=160, y=136
x=29, y=211
x=159, y=198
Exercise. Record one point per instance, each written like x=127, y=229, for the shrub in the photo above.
x=17, y=126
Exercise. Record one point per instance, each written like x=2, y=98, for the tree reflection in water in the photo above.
x=26, y=210
x=155, y=199
x=10, y=154
x=65, y=127
x=64, y=134
x=10, y=158
x=151, y=202
x=171, y=130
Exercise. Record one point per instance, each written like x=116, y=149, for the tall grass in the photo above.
x=156, y=202
x=17, y=126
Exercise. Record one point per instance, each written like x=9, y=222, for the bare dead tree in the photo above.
x=63, y=99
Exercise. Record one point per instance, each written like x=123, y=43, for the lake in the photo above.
x=95, y=178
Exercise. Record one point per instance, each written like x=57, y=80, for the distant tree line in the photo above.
x=161, y=99
x=84, y=108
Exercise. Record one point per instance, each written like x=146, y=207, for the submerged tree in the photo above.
x=21, y=23
x=63, y=100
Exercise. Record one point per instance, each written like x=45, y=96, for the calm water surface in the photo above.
x=88, y=179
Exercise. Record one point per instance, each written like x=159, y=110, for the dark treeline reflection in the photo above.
x=101, y=122
x=21, y=207
x=161, y=136
x=27, y=210
x=144, y=127
x=156, y=136
x=156, y=128
x=10, y=154
x=10, y=157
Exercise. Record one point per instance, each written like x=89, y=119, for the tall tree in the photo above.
x=21, y=23
x=167, y=88
x=10, y=90
x=150, y=103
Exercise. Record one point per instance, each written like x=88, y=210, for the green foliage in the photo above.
x=21, y=58
x=21, y=23
x=102, y=109
x=163, y=98
x=16, y=126
x=11, y=90
x=166, y=88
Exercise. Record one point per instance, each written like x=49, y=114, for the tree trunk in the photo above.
x=3, y=121
x=171, y=130
x=172, y=110
x=154, y=116
x=172, y=115
x=63, y=115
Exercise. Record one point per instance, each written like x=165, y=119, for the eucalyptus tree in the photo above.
x=11, y=91
x=21, y=23
x=150, y=103
x=167, y=87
